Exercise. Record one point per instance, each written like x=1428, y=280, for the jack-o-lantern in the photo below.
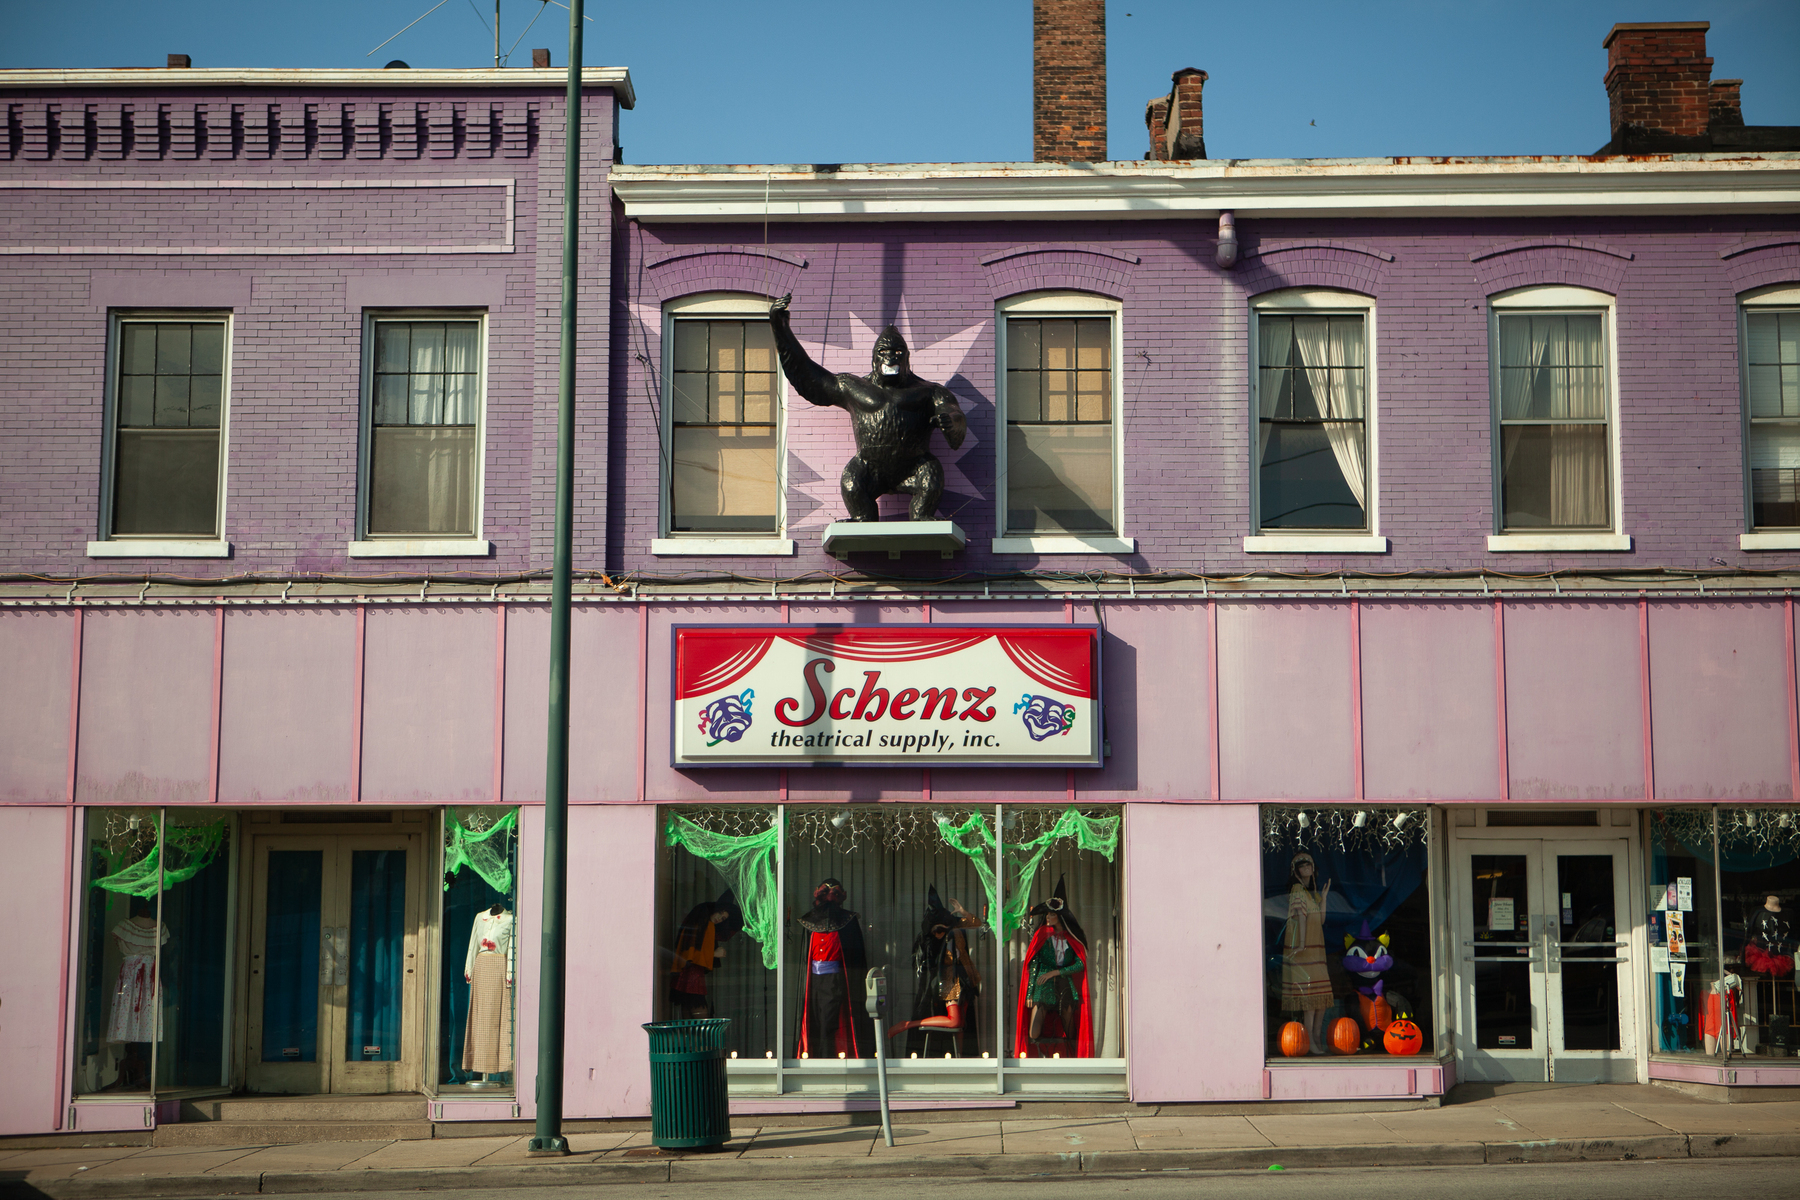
x=1403, y=1037
x=1346, y=1036
x=1294, y=1041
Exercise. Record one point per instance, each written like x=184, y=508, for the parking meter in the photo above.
x=875, y=998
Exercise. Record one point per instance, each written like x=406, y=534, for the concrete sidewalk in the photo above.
x=1520, y=1124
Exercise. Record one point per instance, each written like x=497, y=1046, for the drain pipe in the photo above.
x=1226, y=254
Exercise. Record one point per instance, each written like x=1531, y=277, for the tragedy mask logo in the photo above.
x=726, y=719
x=1044, y=717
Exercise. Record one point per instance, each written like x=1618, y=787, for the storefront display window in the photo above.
x=1735, y=997
x=998, y=928
x=1347, y=932
x=154, y=994
x=479, y=952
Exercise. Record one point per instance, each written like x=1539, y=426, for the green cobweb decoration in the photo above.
x=1024, y=856
x=747, y=864
x=179, y=853
x=484, y=846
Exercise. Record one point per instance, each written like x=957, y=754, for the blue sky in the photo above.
x=950, y=80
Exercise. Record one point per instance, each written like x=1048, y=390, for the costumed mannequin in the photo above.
x=1305, y=982
x=948, y=984
x=1770, y=948
x=699, y=949
x=488, y=970
x=133, y=1019
x=835, y=963
x=1053, y=1012
x=1367, y=962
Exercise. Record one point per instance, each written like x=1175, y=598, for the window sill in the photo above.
x=1057, y=544
x=1787, y=539
x=701, y=547
x=160, y=548
x=422, y=548
x=1514, y=543
x=1317, y=543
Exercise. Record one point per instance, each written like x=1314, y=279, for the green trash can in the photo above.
x=688, y=1105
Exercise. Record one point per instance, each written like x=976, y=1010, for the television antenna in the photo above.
x=500, y=59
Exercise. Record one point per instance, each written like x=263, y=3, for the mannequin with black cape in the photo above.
x=836, y=963
x=947, y=987
x=699, y=951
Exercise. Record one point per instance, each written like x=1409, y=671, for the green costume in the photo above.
x=1053, y=978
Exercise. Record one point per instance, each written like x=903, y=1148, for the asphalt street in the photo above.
x=1767, y=1177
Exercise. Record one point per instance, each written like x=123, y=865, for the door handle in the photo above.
x=334, y=954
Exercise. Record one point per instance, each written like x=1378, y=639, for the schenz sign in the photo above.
x=794, y=694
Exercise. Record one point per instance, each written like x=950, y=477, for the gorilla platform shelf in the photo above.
x=847, y=537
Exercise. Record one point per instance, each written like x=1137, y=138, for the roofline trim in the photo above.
x=413, y=78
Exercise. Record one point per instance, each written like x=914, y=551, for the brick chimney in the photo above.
x=1068, y=80
x=1658, y=81
x=1177, y=127
x=1727, y=107
x=540, y=59
x=180, y=60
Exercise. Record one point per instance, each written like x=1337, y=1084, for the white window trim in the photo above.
x=110, y=544
x=1058, y=304
x=367, y=545
x=1552, y=299
x=740, y=306
x=1318, y=541
x=1778, y=296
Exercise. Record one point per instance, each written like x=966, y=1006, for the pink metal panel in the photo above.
x=662, y=783
x=529, y=910
x=604, y=698
x=146, y=706
x=1719, y=680
x=611, y=987
x=1284, y=701
x=286, y=712
x=37, y=650
x=1174, y=1057
x=428, y=706
x=101, y=1116
x=1341, y=1083
x=1574, y=728
x=1155, y=662
x=1428, y=701
x=527, y=701
x=34, y=856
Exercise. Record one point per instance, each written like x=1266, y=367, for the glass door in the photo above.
x=1543, y=991
x=334, y=984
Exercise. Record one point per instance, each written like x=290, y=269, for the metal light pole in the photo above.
x=551, y=973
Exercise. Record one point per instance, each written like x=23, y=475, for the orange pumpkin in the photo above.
x=1346, y=1036
x=1403, y=1037
x=1376, y=1012
x=1294, y=1041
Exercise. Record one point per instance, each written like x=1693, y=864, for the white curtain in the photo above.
x=1323, y=344
x=1578, y=452
x=1276, y=335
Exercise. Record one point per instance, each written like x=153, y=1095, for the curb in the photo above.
x=698, y=1169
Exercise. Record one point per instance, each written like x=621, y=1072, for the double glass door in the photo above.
x=1543, y=985
x=335, y=985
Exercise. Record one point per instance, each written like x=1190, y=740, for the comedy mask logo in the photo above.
x=727, y=718
x=1044, y=717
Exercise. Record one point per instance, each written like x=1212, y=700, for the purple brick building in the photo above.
x=1362, y=592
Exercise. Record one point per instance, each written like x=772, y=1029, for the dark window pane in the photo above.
x=690, y=345
x=1590, y=990
x=390, y=399
x=690, y=398
x=1303, y=480
x=393, y=341
x=1775, y=474
x=166, y=481
x=290, y=1024
x=138, y=355
x=422, y=481
x=137, y=400
x=1094, y=344
x=1024, y=396
x=209, y=349
x=173, y=349
x=1502, y=989
x=171, y=401
x=203, y=401
x=1024, y=345
x=1553, y=476
x=1059, y=479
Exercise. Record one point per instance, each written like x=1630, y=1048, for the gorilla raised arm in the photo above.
x=892, y=413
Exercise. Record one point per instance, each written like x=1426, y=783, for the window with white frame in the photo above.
x=724, y=421
x=1312, y=401
x=1060, y=400
x=1771, y=340
x=422, y=474
x=168, y=416
x=1553, y=411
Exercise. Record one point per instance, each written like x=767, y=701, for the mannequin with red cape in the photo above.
x=1054, y=1017
x=835, y=965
